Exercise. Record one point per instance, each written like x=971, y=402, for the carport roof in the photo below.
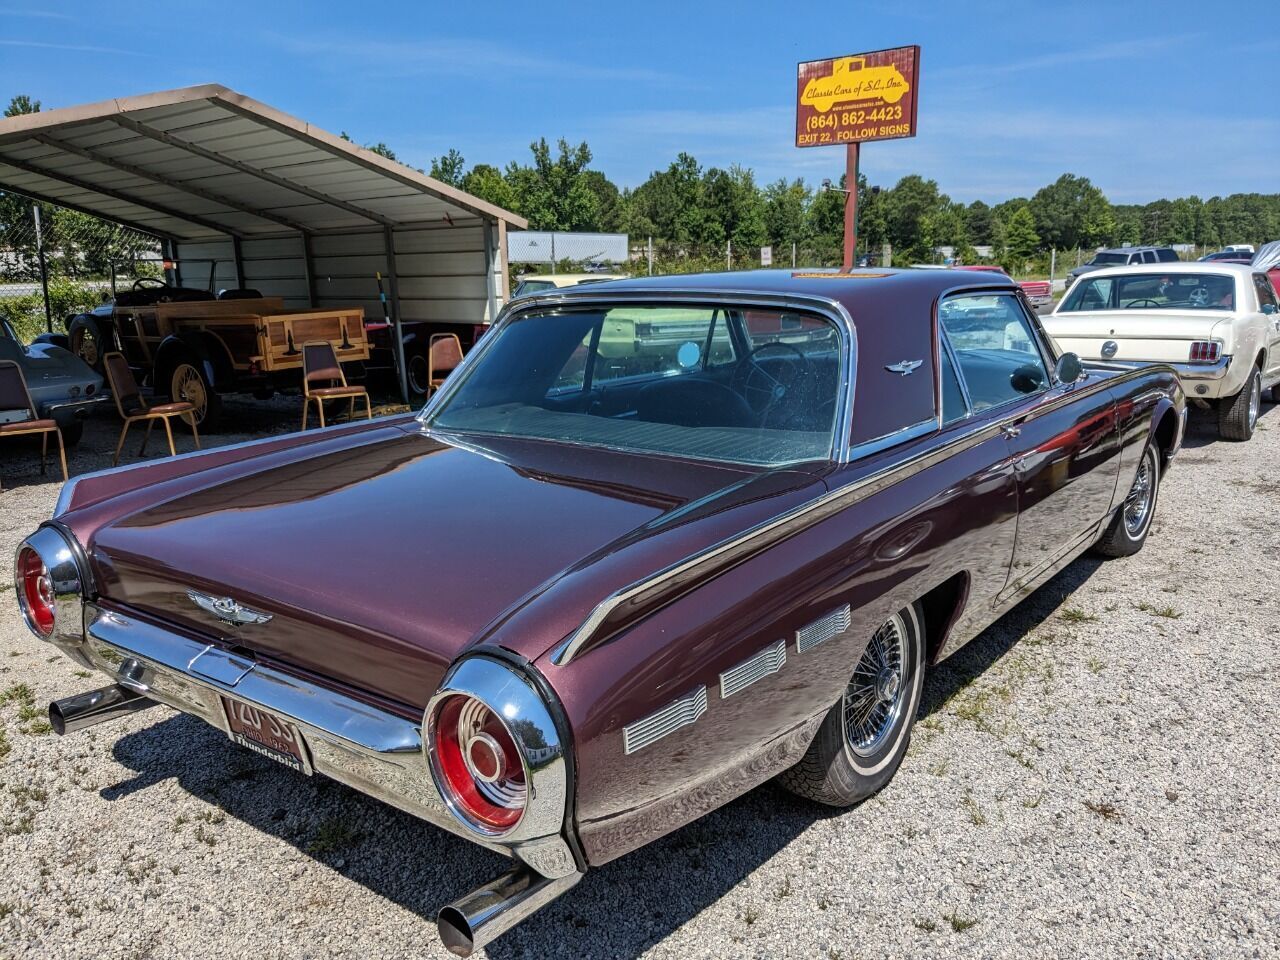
x=206, y=162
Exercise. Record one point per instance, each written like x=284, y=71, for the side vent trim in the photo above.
x=822, y=630
x=680, y=713
x=769, y=660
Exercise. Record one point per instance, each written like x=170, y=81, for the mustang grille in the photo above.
x=832, y=625
x=769, y=660
x=681, y=713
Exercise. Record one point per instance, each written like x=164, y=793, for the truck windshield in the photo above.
x=725, y=383
x=1153, y=291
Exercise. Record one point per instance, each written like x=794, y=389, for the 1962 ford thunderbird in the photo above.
x=612, y=593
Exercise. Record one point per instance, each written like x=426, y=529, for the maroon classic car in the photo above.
x=603, y=594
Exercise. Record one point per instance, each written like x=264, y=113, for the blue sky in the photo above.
x=1146, y=99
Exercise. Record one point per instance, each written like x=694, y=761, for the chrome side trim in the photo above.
x=768, y=661
x=823, y=629
x=677, y=714
x=839, y=498
x=867, y=447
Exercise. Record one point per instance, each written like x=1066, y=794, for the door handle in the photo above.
x=1010, y=431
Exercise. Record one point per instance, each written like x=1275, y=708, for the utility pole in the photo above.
x=44, y=268
x=651, y=256
x=793, y=254
x=728, y=255
x=850, y=205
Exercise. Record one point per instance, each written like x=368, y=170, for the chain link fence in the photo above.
x=55, y=263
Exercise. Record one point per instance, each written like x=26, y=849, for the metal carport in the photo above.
x=261, y=199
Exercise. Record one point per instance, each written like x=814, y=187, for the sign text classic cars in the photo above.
x=868, y=96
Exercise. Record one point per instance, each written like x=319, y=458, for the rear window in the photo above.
x=1152, y=291
x=714, y=382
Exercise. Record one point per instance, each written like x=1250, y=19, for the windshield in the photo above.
x=726, y=383
x=1153, y=291
x=1110, y=258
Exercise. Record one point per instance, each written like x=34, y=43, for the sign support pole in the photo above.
x=850, y=205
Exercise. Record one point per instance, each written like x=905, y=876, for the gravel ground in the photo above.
x=1093, y=776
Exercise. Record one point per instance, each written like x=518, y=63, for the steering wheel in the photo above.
x=1199, y=296
x=761, y=389
x=142, y=282
x=1141, y=302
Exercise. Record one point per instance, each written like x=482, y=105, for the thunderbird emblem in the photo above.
x=227, y=610
x=905, y=368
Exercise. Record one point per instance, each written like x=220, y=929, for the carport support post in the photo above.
x=850, y=205
x=44, y=268
x=397, y=340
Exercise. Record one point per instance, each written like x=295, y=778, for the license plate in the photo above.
x=263, y=732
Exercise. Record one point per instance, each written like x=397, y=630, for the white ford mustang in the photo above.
x=1217, y=324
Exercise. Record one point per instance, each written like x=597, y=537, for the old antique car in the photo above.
x=194, y=346
x=63, y=388
x=1216, y=323
x=610, y=601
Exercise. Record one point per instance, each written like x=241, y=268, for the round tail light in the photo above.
x=35, y=588
x=478, y=765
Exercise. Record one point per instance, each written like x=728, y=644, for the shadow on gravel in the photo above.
x=1202, y=425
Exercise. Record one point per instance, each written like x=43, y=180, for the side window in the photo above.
x=1266, y=293
x=1149, y=256
x=995, y=348
x=1167, y=255
x=953, y=406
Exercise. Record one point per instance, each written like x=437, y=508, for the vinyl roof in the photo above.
x=206, y=162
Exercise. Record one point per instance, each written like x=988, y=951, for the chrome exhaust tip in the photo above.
x=482, y=915
x=97, y=706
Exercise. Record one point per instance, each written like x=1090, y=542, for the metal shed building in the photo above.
x=265, y=200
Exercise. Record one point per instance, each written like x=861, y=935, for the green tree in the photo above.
x=977, y=222
x=487, y=182
x=1071, y=212
x=448, y=169
x=554, y=193
x=21, y=104
x=784, y=212
x=1021, y=240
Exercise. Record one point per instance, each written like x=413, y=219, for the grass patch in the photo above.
x=332, y=836
x=5, y=745
x=925, y=924
x=1075, y=615
x=1094, y=665
x=19, y=693
x=958, y=923
x=976, y=816
x=1165, y=611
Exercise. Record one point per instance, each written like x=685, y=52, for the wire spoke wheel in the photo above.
x=874, y=699
x=1137, y=505
x=86, y=348
x=188, y=385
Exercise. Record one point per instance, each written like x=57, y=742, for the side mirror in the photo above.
x=1068, y=369
x=1268, y=308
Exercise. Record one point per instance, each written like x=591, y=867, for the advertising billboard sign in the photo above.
x=854, y=99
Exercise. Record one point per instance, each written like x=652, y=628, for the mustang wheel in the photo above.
x=1238, y=415
x=863, y=739
x=1128, y=531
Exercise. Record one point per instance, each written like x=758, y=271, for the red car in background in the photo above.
x=1039, y=292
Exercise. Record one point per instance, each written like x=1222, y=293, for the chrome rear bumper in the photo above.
x=371, y=750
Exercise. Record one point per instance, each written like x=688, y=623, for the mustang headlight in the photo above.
x=495, y=753
x=50, y=586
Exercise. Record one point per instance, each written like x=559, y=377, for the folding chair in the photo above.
x=320, y=365
x=444, y=353
x=14, y=395
x=133, y=408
